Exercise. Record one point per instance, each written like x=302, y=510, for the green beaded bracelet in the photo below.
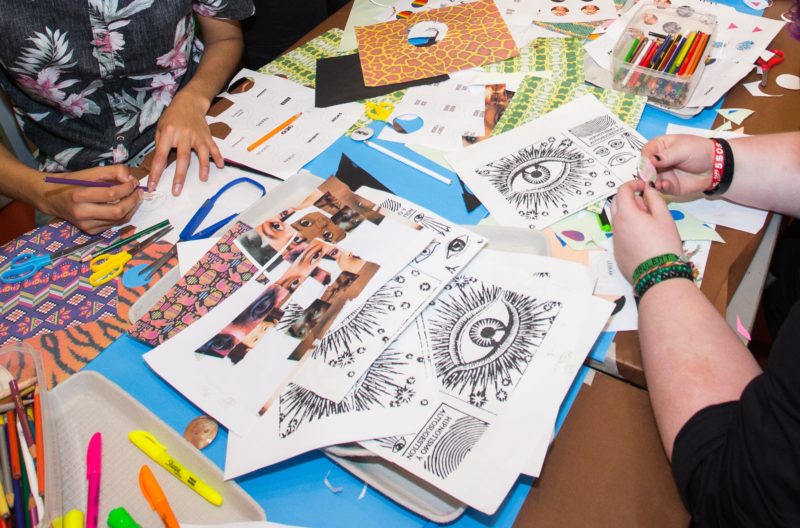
x=653, y=263
x=676, y=271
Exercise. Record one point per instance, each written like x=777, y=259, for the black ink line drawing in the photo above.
x=384, y=384
x=453, y=446
x=291, y=314
x=633, y=141
x=418, y=217
x=457, y=245
x=394, y=443
x=427, y=252
x=602, y=151
x=616, y=144
x=541, y=177
x=483, y=337
x=620, y=159
x=597, y=130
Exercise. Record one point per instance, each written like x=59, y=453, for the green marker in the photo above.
x=120, y=518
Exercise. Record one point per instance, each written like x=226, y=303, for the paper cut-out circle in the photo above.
x=684, y=11
x=403, y=14
x=426, y=33
x=677, y=215
x=788, y=81
x=559, y=11
x=407, y=123
x=671, y=27
x=650, y=19
x=419, y=3
x=574, y=235
x=590, y=9
x=362, y=134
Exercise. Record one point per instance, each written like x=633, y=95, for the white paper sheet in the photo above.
x=568, y=11
x=351, y=346
x=552, y=167
x=390, y=398
x=238, y=357
x=505, y=349
x=449, y=110
x=191, y=251
x=180, y=209
x=269, y=104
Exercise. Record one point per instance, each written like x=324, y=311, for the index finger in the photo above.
x=159, y=162
x=102, y=195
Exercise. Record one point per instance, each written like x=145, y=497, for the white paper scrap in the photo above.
x=755, y=89
x=736, y=115
x=191, y=251
x=788, y=81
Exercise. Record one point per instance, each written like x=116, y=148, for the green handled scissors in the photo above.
x=108, y=266
x=26, y=265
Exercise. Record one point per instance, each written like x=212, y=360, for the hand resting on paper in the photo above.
x=683, y=163
x=643, y=226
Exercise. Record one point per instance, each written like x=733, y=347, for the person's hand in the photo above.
x=643, y=226
x=93, y=209
x=683, y=162
x=183, y=127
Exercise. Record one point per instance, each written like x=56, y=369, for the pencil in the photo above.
x=13, y=445
x=19, y=514
x=699, y=55
x=274, y=131
x=138, y=234
x=37, y=420
x=84, y=183
x=33, y=484
x=23, y=418
x=687, y=45
x=24, y=386
x=4, y=510
x=25, y=493
x=5, y=462
x=629, y=55
x=690, y=55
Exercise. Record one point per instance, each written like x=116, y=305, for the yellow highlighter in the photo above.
x=158, y=452
x=73, y=519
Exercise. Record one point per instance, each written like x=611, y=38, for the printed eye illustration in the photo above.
x=540, y=177
x=427, y=252
x=484, y=338
x=431, y=223
x=218, y=346
x=602, y=151
x=457, y=245
x=305, y=222
x=616, y=144
x=619, y=159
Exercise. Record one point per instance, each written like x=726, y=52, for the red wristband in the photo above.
x=718, y=167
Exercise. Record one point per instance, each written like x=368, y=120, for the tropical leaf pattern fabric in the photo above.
x=89, y=79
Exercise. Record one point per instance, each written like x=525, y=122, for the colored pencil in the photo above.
x=699, y=54
x=25, y=387
x=641, y=61
x=33, y=485
x=13, y=445
x=683, y=52
x=689, y=55
x=5, y=462
x=4, y=509
x=674, y=54
x=23, y=502
x=669, y=53
x=632, y=50
x=23, y=418
x=278, y=129
x=138, y=234
x=84, y=183
x=37, y=420
x=660, y=52
x=19, y=513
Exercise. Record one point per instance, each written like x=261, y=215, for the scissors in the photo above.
x=190, y=231
x=107, y=266
x=767, y=65
x=378, y=111
x=26, y=265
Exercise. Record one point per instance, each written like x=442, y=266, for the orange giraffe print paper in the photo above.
x=475, y=35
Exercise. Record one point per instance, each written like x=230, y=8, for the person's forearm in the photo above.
x=691, y=357
x=224, y=46
x=767, y=172
x=17, y=180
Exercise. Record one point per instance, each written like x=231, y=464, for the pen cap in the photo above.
x=72, y=519
x=120, y=518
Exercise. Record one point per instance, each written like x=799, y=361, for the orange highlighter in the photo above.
x=155, y=497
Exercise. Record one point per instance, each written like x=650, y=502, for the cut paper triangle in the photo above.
x=737, y=115
x=733, y=26
x=724, y=127
x=755, y=90
x=757, y=29
x=754, y=4
x=741, y=329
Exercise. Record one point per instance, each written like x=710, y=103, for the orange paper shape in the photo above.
x=476, y=35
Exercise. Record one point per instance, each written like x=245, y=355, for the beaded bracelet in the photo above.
x=674, y=270
x=653, y=263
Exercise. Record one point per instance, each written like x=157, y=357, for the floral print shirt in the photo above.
x=89, y=79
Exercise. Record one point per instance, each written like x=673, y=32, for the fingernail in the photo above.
x=652, y=185
x=176, y=189
x=657, y=157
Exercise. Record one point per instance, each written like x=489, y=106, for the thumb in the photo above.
x=655, y=202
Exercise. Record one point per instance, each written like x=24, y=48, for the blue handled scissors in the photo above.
x=108, y=266
x=26, y=265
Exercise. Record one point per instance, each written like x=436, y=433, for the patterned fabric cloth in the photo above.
x=90, y=79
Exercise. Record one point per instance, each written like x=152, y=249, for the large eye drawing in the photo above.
x=457, y=245
x=620, y=159
x=484, y=337
x=540, y=177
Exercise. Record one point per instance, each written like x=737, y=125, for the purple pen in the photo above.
x=84, y=183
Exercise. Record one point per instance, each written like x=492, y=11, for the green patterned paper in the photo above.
x=562, y=57
x=300, y=66
x=536, y=97
x=576, y=29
